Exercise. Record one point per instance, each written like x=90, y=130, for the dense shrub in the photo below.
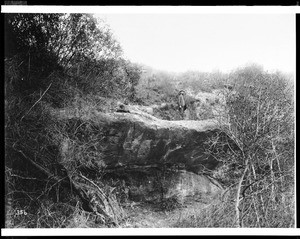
x=54, y=61
x=261, y=116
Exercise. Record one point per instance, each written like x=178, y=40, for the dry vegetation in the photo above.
x=46, y=75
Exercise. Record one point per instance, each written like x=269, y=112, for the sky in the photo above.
x=206, y=42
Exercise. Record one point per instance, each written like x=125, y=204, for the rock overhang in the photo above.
x=140, y=139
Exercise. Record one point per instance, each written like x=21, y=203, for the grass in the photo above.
x=280, y=214
x=34, y=201
x=217, y=213
x=44, y=210
x=34, y=135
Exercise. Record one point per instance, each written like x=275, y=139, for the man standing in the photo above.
x=181, y=103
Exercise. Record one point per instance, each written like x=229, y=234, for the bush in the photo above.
x=261, y=121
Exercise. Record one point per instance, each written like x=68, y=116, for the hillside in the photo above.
x=95, y=140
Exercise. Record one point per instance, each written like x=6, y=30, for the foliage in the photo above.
x=72, y=64
x=221, y=213
x=156, y=87
x=55, y=61
x=28, y=44
x=78, y=47
x=27, y=144
x=160, y=86
x=261, y=121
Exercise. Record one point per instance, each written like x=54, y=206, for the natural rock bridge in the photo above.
x=137, y=141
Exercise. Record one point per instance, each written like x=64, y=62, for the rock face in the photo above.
x=137, y=140
x=140, y=139
x=190, y=184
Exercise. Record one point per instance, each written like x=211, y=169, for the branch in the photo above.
x=105, y=197
x=27, y=178
x=36, y=165
x=260, y=179
x=227, y=190
x=100, y=190
x=37, y=101
x=65, y=181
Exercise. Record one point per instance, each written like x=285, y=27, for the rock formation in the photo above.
x=169, y=152
x=140, y=139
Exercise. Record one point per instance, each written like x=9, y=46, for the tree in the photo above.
x=53, y=57
x=77, y=45
x=261, y=121
x=28, y=45
x=80, y=37
x=133, y=73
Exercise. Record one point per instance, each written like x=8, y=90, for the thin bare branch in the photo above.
x=37, y=101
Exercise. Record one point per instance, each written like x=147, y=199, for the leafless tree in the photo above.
x=259, y=118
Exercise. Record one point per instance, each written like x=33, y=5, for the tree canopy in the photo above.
x=78, y=45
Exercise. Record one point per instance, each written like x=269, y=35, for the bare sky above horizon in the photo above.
x=206, y=42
